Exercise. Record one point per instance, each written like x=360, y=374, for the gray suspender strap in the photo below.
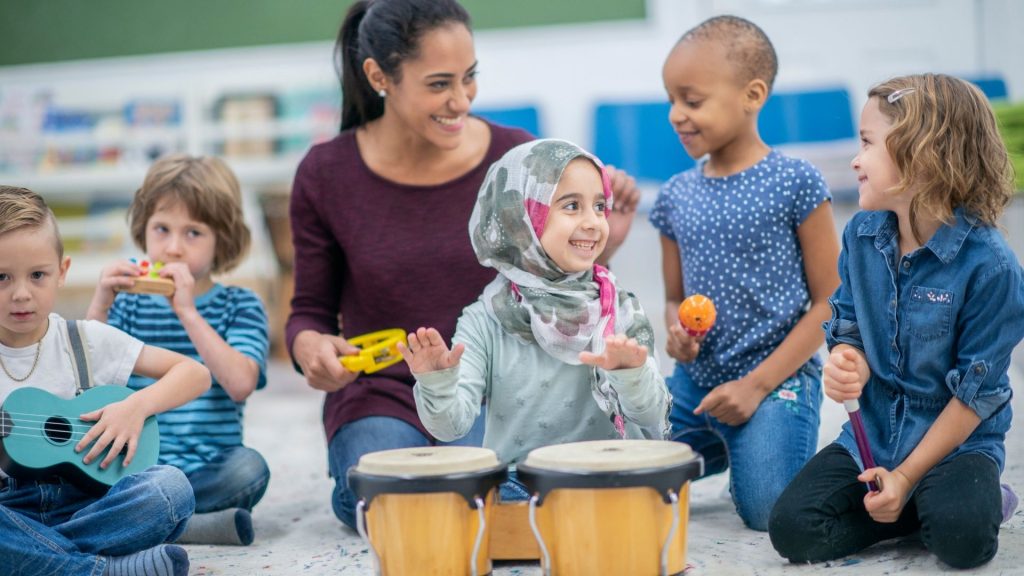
x=79, y=359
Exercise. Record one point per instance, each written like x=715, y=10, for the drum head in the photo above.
x=427, y=461
x=610, y=455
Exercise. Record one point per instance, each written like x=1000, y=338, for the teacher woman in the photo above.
x=380, y=218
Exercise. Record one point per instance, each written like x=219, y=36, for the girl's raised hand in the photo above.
x=845, y=373
x=620, y=351
x=427, y=351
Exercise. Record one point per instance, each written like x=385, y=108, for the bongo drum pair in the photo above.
x=598, y=508
x=611, y=507
x=427, y=511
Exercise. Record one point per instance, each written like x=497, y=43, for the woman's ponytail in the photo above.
x=359, y=103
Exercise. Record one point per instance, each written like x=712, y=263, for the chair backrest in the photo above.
x=525, y=117
x=637, y=136
x=993, y=86
x=821, y=115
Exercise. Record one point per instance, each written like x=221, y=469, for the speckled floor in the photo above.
x=297, y=534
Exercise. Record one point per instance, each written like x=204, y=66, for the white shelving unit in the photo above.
x=196, y=83
x=106, y=233
x=116, y=182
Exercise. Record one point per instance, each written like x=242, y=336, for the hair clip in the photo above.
x=892, y=98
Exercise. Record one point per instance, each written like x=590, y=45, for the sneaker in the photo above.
x=1010, y=502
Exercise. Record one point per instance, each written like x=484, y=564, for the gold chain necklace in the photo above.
x=39, y=348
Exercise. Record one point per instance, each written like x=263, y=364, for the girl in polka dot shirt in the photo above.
x=752, y=229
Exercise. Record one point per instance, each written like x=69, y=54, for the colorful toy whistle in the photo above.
x=149, y=280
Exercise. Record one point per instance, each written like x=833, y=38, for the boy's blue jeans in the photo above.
x=236, y=478
x=765, y=453
x=373, y=434
x=50, y=529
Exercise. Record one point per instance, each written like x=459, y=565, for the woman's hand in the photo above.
x=427, y=352
x=625, y=197
x=317, y=355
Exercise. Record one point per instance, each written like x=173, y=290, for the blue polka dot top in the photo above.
x=738, y=246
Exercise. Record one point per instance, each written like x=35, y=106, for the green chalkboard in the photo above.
x=33, y=31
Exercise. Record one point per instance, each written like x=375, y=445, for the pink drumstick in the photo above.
x=861, y=436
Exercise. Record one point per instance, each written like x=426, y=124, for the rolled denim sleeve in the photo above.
x=989, y=327
x=842, y=328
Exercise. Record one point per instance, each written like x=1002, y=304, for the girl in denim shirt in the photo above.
x=921, y=333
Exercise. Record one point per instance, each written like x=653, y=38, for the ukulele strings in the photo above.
x=76, y=431
x=41, y=437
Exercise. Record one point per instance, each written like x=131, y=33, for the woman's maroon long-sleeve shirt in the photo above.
x=384, y=255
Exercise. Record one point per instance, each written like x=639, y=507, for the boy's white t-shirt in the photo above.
x=111, y=353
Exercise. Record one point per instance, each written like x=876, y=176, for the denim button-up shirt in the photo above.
x=939, y=322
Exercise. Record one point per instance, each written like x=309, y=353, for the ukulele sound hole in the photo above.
x=58, y=430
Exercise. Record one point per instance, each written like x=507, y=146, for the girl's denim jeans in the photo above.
x=765, y=453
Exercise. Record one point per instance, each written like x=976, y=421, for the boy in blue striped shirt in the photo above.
x=188, y=215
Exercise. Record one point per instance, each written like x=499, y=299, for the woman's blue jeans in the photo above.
x=373, y=434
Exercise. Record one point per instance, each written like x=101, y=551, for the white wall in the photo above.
x=855, y=44
x=1002, y=41
x=566, y=69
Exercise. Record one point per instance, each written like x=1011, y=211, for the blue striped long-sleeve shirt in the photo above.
x=192, y=434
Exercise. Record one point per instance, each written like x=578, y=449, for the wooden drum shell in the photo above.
x=612, y=531
x=607, y=507
x=423, y=508
x=428, y=534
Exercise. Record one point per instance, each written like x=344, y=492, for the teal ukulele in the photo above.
x=39, y=431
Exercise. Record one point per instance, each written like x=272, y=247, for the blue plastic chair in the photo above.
x=525, y=117
x=637, y=137
x=993, y=86
x=799, y=117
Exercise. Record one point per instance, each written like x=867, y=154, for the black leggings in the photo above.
x=956, y=506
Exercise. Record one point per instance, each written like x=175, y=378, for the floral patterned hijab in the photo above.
x=532, y=298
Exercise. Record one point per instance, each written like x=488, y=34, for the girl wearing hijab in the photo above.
x=557, y=350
